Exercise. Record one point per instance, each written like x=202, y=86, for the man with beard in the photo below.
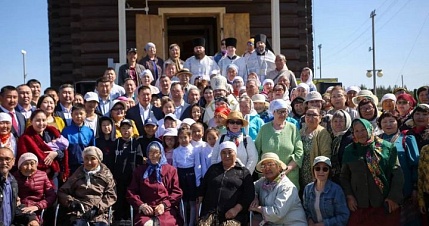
x=230, y=57
x=200, y=65
x=131, y=69
x=261, y=61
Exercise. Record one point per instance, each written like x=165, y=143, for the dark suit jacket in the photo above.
x=134, y=114
x=21, y=124
x=58, y=111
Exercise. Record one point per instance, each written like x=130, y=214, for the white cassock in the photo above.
x=260, y=64
x=224, y=62
x=201, y=67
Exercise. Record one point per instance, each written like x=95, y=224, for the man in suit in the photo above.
x=9, y=101
x=64, y=106
x=144, y=110
x=24, y=101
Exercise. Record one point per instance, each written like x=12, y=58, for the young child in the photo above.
x=187, y=123
x=170, y=142
x=211, y=136
x=186, y=160
x=150, y=128
x=127, y=156
x=107, y=139
x=197, y=135
x=79, y=137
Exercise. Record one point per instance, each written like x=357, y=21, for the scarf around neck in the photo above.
x=89, y=173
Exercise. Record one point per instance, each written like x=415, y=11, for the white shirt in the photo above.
x=117, y=90
x=92, y=124
x=67, y=114
x=187, y=157
x=224, y=62
x=201, y=67
x=144, y=112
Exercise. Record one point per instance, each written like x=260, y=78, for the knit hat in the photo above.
x=228, y=145
x=94, y=151
x=5, y=117
x=222, y=111
x=388, y=96
x=27, y=156
x=148, y=45
x=313, y=95
x=407, y=97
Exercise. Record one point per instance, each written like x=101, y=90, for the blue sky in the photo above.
x=342, y=27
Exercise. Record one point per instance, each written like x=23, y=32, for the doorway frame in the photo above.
x=167, y=12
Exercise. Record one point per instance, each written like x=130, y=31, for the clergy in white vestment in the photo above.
x=200, y=65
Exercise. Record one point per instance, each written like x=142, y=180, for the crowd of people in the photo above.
x=208, y=140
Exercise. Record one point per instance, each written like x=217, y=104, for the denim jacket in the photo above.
x=333, y=205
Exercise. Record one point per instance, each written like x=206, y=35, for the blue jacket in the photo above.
x=79, y=138
x=333, y=205
x=255, y=124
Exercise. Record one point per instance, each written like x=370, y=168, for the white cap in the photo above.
x=323, y=159
x=171, y=115
x=258, y=98
x=188, y=121
x=388, y=96
x=279, y=104
x=91, y=96
x=228, y=145
x=353, y=88
x=170, y=132
x=5, y=117
x=268, y=81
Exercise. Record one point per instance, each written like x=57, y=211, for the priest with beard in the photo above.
x=200, y=65
x=261, y=61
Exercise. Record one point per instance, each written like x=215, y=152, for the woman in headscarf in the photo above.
x=174, y=57
x=226, y=190
x=372, y=178
x=418, y=125
x=154, y=191
x=307, y=78
x=147, y=78
x=7, y=139
x=92, y=188
x=342, y=136
x=248, y=110
x=408, y=155
x=405, y=104
x=367, y=109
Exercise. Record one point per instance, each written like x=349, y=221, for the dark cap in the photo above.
x=231, y=42
x=126, y=122
x=261, y=38
x=134, y=50
x=149, y=121
x=199, y=42
x=219, y=99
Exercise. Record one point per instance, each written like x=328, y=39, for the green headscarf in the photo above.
x=368, y=127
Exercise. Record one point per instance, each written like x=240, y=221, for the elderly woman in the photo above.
x=47, y=144
x=422, y=95
x=324, y=201
x=368, y=110
x=174, y=57
x=35, y=190
x=47, y=104
x=405, y=104
x=147, y=78
x=226, y=190
x=276, y=196
x=282, y=138
x=117, y=113
x=307, y=78
x=246, y=150
x=92, y=188
x=418, y=125
x=280, y=92
x=316, y=141
x=388, y=103
x=338, y=101
x=298, y=108
x=371, y=177
x=341, y=137
x=154, y=190
x=8, y=140
x=248, y=110
x=237, y=84
x=408, y=155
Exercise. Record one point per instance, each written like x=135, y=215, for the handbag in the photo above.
x=212, y=219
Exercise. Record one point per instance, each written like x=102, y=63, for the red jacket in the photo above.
x=36, y=190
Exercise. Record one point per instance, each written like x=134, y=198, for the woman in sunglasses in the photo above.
x=246, y=149
x=372, y=178
x=324, y=201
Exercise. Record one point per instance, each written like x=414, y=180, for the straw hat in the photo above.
x=236, y=115
x=365, y=94
x=270, y=156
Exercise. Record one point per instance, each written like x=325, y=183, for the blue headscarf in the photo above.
x=155, y=167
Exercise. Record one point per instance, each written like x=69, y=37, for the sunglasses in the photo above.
x=236, y=122
x=318, y=168
x=402, y=102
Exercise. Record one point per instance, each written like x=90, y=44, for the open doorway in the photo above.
x=182, y=30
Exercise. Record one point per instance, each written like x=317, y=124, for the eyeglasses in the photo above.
x=6, y=160
x=318, y=168
x=370, y=108
x=402, y=102
x=268, y=165
x=312, y=115
x=281, y=112
x=236, y=122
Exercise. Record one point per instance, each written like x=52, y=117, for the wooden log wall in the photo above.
x=83, y=34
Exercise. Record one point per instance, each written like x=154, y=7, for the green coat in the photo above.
x=286, y=144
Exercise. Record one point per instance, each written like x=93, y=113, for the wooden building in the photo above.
x=83, y=34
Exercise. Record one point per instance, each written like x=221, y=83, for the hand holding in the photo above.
x=90, y=214
x=30, y=209
x=159, y=209
x=146, y=209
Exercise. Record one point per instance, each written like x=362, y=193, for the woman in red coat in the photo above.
x=47, y=144
x=154, y=190
x=35, y=190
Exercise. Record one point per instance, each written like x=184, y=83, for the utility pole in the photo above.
x=402, y=81
x=24, y=65
x=372, y=16
x=320, y=60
